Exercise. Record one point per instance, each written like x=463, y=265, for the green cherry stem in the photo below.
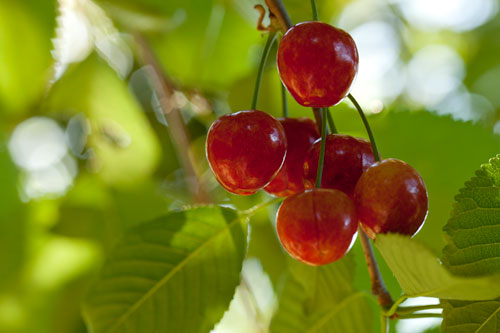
x=384, y=323
x=376, y=154
x=331, y=123
x=406, y=310
x=270, y=40
x=321, y=161
x=421, y=315
x=284, y=101
x=378, y=286
x=392, y=310
x=314, y=10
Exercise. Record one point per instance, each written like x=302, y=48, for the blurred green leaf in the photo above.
x=197, y=53
x=420, y=273
x=177, y=273
x=124, y=149
x=465, y=317
x=26, y=29
x=474, y=227
x=322, y=299
x=12, y=222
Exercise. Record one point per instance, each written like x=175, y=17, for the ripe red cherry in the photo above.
x=346, y=158
x=300, y=134
x=391, y=197
x=317, y=226
x=317, y=63
x=245, y=150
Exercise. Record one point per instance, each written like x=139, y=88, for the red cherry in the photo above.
x=300, y=134
x=346, y=158
x=391, y=197
x=245, y=150
x=317, y=63
x=317, y=226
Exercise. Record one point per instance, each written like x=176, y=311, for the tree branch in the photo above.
x=165, y=91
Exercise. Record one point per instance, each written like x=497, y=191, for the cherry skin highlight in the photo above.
x=317, y=63
x=317, y=226
x=346, y=158
x=245, y=150
x=391, y=197
x=300, y=134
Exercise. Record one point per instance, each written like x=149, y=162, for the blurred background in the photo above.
x=104, y=107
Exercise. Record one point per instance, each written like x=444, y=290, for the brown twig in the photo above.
x=378, y=285
x=165, y=91
x=277, y=9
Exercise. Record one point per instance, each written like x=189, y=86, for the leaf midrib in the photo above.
x=174, y=270
x=346, y=301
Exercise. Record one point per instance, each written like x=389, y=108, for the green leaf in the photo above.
x=26, y=29
x=124, y=148
x=473, y=248
x=12, y=223
x=474, y=227
x=467, y=317
x=420, y=273
x=177, y=273
x=322, y=299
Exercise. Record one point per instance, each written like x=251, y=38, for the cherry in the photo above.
x=300, y=134
x=317, y=63
x=245, y=150
x=391, y=197
x=346, y=158
x=317, y=226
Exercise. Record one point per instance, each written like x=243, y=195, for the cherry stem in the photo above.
x=314, y=10
x=406, y=310
x=378, y=285
x=317, y=116
x=270, y=41
x=421, y=315
x=284, y=101
x=321, y=161
x=384, y=323
x=331, y=123
x=376, y=154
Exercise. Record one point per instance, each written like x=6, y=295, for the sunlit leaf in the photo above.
x=322, y=299
x=420, y=273
x=177, y=273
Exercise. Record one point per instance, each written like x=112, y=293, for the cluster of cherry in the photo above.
x=251, y=150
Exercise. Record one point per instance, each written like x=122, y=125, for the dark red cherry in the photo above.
x=300, y=134
x=317, y=63
x=317, y=226
x=391, y=197
x=245, y=150
x=346, y=158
